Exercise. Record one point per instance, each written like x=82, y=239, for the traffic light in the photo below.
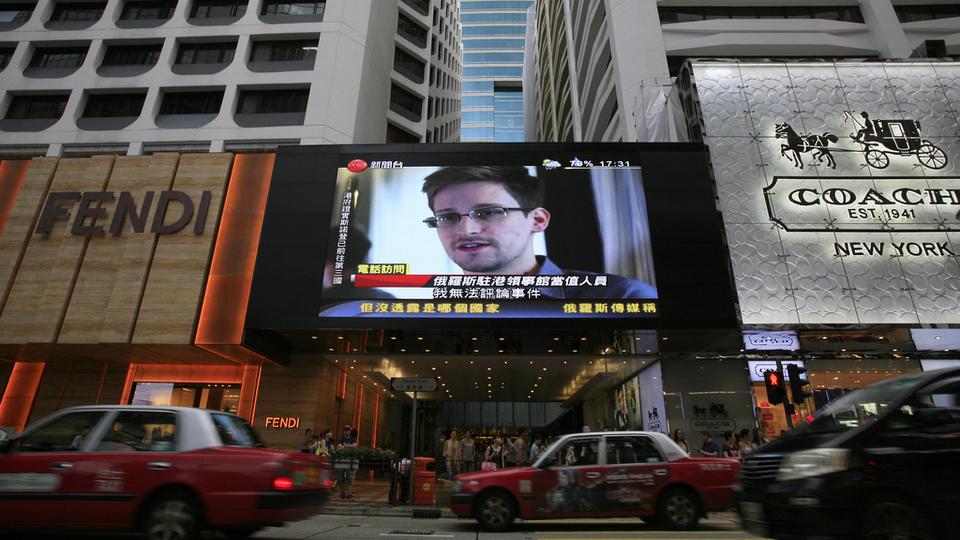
x=798, y=393
x=776, y=391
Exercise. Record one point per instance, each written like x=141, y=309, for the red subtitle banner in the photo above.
x=394, y=280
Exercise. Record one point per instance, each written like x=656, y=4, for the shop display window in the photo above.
x=219, y=397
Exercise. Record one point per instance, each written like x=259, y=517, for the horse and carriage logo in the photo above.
x=879, y=139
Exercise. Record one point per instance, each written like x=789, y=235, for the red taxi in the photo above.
x=168, y=472
x=643, y=474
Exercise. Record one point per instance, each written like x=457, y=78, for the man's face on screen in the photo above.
x=496, y=246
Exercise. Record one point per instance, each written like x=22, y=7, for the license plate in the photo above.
x=751, y=511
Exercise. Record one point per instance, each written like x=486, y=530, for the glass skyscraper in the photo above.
x=492, y=100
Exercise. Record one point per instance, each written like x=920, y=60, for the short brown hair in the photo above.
x=526, y=189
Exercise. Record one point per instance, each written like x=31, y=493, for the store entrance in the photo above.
x=829, y=379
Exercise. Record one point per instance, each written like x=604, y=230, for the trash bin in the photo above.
x=424, y=480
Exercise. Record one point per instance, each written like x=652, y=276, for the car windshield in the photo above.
x=234, y=431
x=860, y=407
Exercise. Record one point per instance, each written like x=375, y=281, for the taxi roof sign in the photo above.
x=414, y=384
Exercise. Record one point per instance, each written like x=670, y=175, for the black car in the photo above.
x=882, y=462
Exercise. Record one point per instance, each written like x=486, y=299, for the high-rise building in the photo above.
x=603, y=68
x=493, y=42
x=142, y=76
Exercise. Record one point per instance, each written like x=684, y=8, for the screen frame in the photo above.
x=299, y=201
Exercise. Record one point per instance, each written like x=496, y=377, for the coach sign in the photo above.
x=839, y=185
x=90, y=210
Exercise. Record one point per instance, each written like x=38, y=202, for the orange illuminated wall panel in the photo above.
x=20, y=393
x=231, y=269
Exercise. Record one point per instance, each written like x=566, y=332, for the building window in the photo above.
x=422, y=6
x=139, y=10
x=75, y=11
x=113, y=105
x=207, y=9
x=409, y=65
x=405, y=103
x=704, y=13
x=15, y=13
x=5, y=54
x=495, y=4
x=927, y=12
x=191, y=102
x=412, y=31
x=284, y=51
x=37, y=107
x=132, y=55
x=206, y=53
x=493, y=44
x=60, y=57
x=217, y=397
x=398, y=135
x=273, y=101
x=289, y=7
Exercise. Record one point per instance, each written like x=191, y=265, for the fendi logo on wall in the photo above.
x=90, y=211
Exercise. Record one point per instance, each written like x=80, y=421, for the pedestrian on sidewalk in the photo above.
x=467, y=452
x=307, y=441
x=452, y=454
x=344, y=467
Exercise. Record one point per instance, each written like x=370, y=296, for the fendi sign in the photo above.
x=91, y=209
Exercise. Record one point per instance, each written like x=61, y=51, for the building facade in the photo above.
x=137, y=77
x=604, y=69
x=867, y=84
x=493, y=41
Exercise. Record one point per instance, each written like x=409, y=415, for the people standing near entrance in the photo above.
x=710, y=448
x=345, y=467
x=535, y=449
x=510, y=453
x=326, y=445
x=495, y=453
x=452, y=454
x=681, y=440
x=467, y=452
x=730, y=448
x=746, y=446
x=307, y=441
x=523, y=447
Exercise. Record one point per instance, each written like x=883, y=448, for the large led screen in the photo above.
x=462, y=241
x=530, y=233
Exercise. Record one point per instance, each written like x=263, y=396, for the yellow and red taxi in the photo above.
x=168, y=472
x=589, y=475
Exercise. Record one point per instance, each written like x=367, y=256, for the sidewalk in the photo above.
x=371, y=498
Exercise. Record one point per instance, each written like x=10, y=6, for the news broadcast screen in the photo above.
x=471, y=232
x=477, y=241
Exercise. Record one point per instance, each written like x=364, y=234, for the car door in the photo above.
x=567, y=483
x=927, y=429
x=33, y=474
x=135, y=453
x=634, y=474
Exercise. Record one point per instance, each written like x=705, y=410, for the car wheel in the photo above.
x=495, y=511
x=896, y=521
x=172, y=516
x=678, y=509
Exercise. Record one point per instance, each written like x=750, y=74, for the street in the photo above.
x=383, y=527
x=344, y=527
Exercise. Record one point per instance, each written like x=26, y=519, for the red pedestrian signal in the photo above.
x=776, y=392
